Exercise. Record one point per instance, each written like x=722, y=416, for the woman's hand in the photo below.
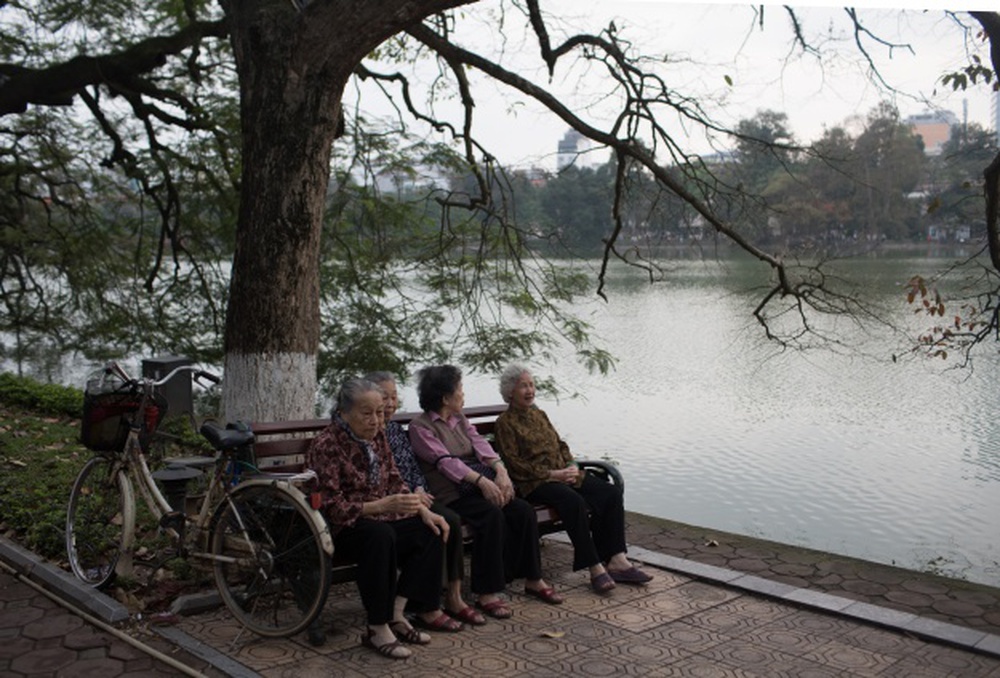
x=568, y=475
x=425, y=498
x=504, y=483
x=435, y=522
x=492, y=492
x=406, y=503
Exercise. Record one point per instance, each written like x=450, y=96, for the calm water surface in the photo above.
x=896, y=462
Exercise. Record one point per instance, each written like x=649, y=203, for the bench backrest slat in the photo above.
x=282, y=445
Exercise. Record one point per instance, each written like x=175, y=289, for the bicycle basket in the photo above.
x=108, y=407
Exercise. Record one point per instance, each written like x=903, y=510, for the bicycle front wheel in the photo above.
x=271, y=571
x=100, y=516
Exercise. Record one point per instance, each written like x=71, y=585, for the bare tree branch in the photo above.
x=59, y=84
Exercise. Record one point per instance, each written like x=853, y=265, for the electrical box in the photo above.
x=177, y=391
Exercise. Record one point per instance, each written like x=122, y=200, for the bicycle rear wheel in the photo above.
x=99, y=517
x=271, y=571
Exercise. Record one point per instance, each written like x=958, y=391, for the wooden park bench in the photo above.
x=280, y=446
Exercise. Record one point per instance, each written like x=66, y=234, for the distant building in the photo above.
x=570, y=147
x=934, y=128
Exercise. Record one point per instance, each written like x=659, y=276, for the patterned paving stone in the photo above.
x=52, y=626
x=685, y=637
x=909, y=599
x=597, y=663
x=676, y=626
x=641, y=651
x=924, y=586
x=792, y=569
x=748, y=565
x=849, y=658
x=958, y=608
x=864, y=588
x=702, y=667
x=49, y=660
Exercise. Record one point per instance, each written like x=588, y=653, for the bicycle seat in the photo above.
x=225, y=438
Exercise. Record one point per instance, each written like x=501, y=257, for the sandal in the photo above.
x=468, y=615
x=547, y=595
x=393, y=650
x=632, y=575
x=496, y=608
x=442, y=622
x=408, y=634
x=602, y=583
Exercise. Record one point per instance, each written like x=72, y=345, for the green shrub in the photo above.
x=44, y=399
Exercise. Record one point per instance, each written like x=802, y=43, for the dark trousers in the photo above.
x=383, y=548
x=597, y=538
x=505, y=546
x=454, y=556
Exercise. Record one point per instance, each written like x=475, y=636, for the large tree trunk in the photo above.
x=293, y=67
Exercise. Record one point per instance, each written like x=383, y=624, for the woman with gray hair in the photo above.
x=376, y=521
x=543, y=471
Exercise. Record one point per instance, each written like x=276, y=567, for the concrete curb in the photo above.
x=61, y=583
x=105, y=608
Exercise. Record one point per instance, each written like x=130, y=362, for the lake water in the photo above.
x=895, y=462
x=846, y=452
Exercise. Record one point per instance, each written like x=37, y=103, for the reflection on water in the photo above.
x=896, y=462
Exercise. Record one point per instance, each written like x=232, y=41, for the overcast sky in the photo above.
x=709, y=42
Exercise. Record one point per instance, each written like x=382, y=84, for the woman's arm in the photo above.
x=480, y=445
x=511, y=444
x=428, y=447
x=333, y=471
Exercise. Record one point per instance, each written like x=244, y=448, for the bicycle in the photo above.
x=268, y=549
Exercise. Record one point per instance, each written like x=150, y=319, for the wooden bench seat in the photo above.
x=281, y=446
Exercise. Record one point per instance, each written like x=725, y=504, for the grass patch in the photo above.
x=40, y=457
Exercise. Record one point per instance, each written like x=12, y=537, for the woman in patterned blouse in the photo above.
x=377, y=522
x=409, y=469
x=544, y=472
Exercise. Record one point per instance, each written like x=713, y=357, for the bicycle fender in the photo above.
x=297, y=495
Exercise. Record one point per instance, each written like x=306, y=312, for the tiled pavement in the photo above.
x=719, y=605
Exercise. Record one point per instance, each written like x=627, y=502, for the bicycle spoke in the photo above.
x=95, y=522
x=271, y=570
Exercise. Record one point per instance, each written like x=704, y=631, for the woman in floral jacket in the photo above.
x=377, y=522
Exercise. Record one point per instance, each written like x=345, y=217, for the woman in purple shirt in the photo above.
x=464, y=472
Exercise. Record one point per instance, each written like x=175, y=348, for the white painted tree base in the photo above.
x=269, y=387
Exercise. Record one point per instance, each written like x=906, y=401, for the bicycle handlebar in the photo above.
x=196, y=374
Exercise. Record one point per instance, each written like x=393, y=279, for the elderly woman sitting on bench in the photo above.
x=377, y=522
x=543, y=470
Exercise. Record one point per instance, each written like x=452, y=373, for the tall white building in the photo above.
x=570, y=147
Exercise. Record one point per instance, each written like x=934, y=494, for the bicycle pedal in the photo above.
x=174, y=519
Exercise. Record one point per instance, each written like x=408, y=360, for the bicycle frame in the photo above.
x=132, y=459
x=268, y=549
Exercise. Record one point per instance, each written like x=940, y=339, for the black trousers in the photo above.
x=597, y=538
x=506, y=543
x=454, y=557
x=383, y=548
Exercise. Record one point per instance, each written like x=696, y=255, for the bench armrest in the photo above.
x=604, y=470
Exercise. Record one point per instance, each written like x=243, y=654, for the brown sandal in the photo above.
x=408, y=634
x=546, y=595
x=393, y=650
x=442, y=622
x=468, y=615
x=497, y=609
